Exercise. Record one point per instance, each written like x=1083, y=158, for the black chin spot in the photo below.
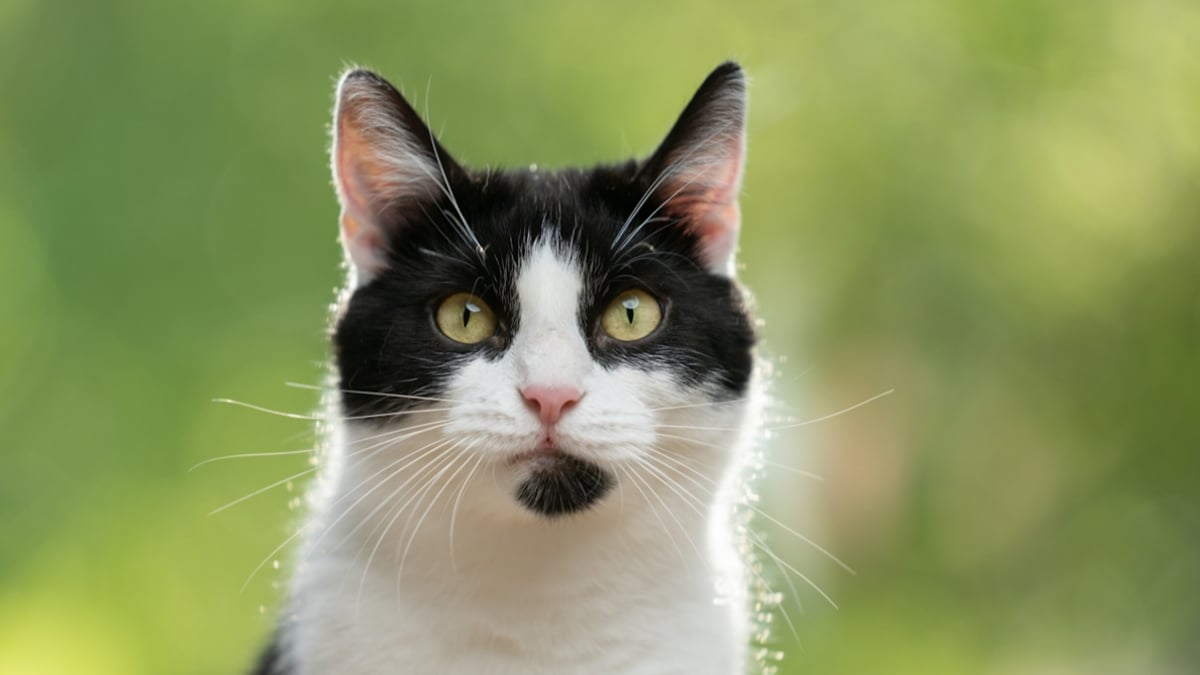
x=563, y=485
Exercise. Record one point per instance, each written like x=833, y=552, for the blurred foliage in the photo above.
x=991, y=206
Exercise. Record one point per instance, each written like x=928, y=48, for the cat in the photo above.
x=544, y=393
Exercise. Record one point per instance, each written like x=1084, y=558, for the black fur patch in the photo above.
x=270, y=662
x=563, y=484
x=386, y=340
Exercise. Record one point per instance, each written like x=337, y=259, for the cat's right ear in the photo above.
x=698, y=167
x=387, y=167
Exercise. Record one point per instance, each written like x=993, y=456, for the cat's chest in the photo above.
x=652, y=630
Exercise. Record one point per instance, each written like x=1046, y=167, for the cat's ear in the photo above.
x=698, y=167
x=387, y=167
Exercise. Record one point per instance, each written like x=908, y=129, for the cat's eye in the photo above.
x=632, y=315
x=466, y=318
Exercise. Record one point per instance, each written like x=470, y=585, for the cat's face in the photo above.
x=557, y=330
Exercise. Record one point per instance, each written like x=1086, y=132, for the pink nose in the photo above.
x=550, y=401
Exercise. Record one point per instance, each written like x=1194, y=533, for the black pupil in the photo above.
x=468, y=310
x=630, y=304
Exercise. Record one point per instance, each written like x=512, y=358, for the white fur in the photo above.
x=464, y=580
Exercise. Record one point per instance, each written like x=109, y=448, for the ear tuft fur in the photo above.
x=385, y=162
x=698, y=167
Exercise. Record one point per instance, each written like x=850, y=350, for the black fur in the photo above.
x=562, y=485
x=270, y=662
x=386, y=340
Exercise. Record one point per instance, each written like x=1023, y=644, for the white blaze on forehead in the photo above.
x=549, y=348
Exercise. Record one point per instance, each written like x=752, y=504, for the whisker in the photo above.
x=454, y=510
x=362, y=392
x=697, y=405
x=792, y=469
x=843, y=411
x=680, y=164
x=756, y=540
x=802, y=538
x=622, y=238
x=423, y=473
x=424, y=451
x=795, y=594
x=434, y=470
x=669, y=483
x=261, y=490
x=247, y=455
x=633, y=479
x=269, y=411
x=420, y=521
x=696, y=502
x=694, y=428
x=465, y=230
x=659, y=453
x=398, y=413
x=404, y=432
x=322, y=417
x=688, y=439
x=793, y=570
x=662, y=455
x=300, y=530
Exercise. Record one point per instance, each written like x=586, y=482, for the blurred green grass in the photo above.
x=992, y=207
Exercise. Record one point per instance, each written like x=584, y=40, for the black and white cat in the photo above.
x=545, y=391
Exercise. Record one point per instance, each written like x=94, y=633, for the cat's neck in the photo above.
x=642, y=570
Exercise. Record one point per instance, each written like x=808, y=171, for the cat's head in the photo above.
x=565, y=330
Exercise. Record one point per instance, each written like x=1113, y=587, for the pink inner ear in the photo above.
x=706, y=198
x=357, y=188
x=718, y=235
x=360, y=174
x=364, y=245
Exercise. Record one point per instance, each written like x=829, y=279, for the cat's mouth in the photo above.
x=559, y=483
x=544, y=454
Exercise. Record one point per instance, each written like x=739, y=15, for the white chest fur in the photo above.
x=609, y=591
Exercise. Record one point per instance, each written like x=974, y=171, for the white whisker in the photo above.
x=269, y=411
x=382, y=394
x=843, y=411
x=633, y=478
x=261, y=490
x=445, y=484
x=454, y=509
x=792, y=469
x=433, y=468
x=812, y=584
x=274, y=552
x=649, y=467
x=247, y=455
x=705, y=404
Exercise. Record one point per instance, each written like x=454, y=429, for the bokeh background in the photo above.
x=990, y=206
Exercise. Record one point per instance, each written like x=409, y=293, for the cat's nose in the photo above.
x=550, y=401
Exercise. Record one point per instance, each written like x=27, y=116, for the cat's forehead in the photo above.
x=549, y=274
x=529, y=205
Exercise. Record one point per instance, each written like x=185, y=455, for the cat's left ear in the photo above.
x=698, y=166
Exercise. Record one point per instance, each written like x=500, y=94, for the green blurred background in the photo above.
x=992, y=207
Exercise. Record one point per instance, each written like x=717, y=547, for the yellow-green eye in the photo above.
x=466, y=318
x=632, y=315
